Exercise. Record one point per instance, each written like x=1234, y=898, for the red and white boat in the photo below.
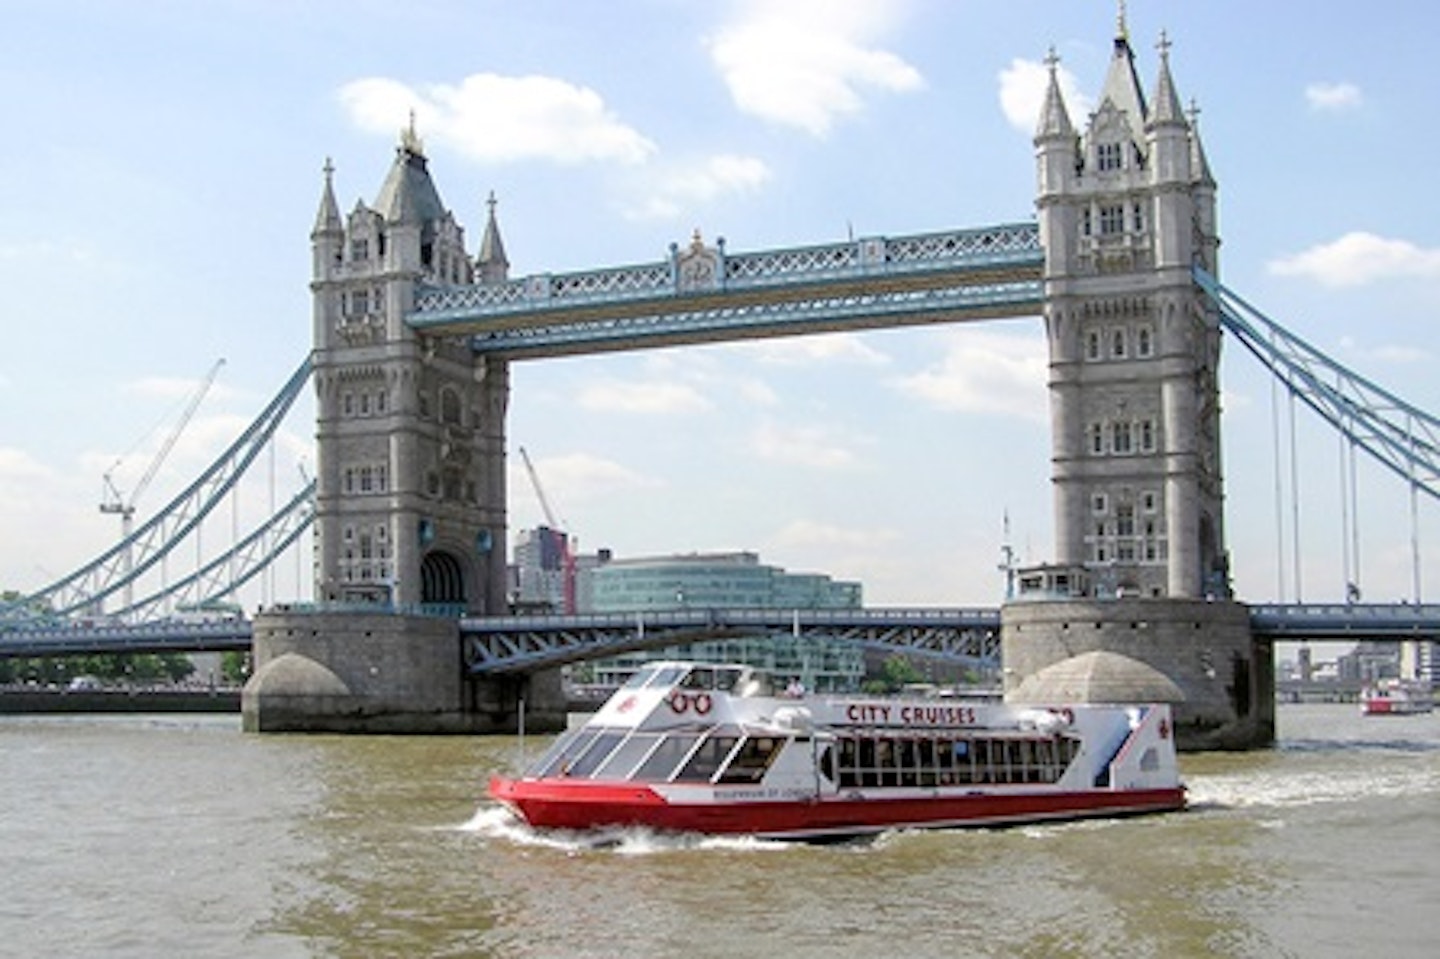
x=1396, y=697
x=695, y=747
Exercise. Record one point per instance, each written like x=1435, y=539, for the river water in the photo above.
x=155, y=836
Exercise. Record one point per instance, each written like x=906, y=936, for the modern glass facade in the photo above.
x=732, y=581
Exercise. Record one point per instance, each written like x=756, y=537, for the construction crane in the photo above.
x=112, y=501
x=567, y=557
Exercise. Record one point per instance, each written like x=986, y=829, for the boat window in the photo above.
x=600, y=749
x=752, y=759
x=639, y=678
x=556, y=762
x=827, y=762
x=662, y=761
x=726, y=677
x=622, y=762
x=700, y=677
x=666, y=676
x=706, y=760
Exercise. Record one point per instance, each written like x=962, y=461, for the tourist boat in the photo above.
x=1396, y=697
x=694, y=747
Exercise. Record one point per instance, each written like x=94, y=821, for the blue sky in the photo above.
x=164, y=167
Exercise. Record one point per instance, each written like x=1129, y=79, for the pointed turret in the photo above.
x=327, y=220
x=1167, y=103
x=1054, y=118
x=491, y=263
x=1122, y=84
x=408, y=195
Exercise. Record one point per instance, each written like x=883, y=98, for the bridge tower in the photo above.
x=1126, y=207
x=410, y=501
x=410, y=504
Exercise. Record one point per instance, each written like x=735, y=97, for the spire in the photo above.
x=1199, y=165
x=1167, y=103
x=327, y=220
x=408, y=195
x=491, y=261
x=1054, y=118
x=1122, y=84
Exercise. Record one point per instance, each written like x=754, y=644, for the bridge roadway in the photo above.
x=705, y=295
x=510, y=644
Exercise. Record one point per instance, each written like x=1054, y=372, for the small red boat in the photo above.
x=695, y=747
x=1396, y=697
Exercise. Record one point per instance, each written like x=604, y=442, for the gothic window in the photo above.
x=366, y=546
x=1137, y=217
x=349, y=534
x=1109, y=156
x=1149, y=502
x=380, y=402
x=367, y=483
x=1112, y=219
x=359, y=302
x=1125, y=519
x=1147, y=436
x=382, y=479
x=1144, y=341
x=347, y=403
x=1097, y=439
x=1092, y=345
x=360, y=249
x=364, y=404
x=1117, y=343
x=1099, y=505
x=1120, y=439
x=381, y=532
x=449, y=407
x=1085, y=228
x=349, y=486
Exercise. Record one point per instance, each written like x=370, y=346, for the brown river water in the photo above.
x=154, y=836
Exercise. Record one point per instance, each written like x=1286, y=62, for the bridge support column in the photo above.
x=1199, y=655
x=367, y=672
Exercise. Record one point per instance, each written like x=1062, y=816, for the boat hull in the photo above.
x=560, y=804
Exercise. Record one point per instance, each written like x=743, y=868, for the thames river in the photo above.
x=155, y=836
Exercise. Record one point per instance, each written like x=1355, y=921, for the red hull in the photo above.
x=555, y=804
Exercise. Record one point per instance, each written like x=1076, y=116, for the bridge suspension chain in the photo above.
x=145, y=547
x=1400, y=435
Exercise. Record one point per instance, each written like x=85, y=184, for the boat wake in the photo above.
x=498, y=823
x=1295, y=789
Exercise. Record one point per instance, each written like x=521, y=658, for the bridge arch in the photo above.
x=442, y=579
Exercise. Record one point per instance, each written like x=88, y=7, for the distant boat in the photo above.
x=1396, y=697
x=692, y=747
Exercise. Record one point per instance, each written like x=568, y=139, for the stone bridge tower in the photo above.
x=410, y=505
x=410, y=428
x=1136, y=606
x=1126, y=208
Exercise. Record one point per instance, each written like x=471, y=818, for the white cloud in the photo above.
x=614, y=396
x=574, y=478
x=1022, y=94
x=807, y=533
x=500, y=119
x=986, y=372
x=1358, y=258
x=672, y=194
x=803, y=446
x=1333, y=97
x=826, y=348
x=804, y=63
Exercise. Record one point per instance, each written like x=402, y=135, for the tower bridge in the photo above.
x=414, y=338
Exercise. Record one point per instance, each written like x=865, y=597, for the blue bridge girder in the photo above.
x=515, y=644
x=858, y=284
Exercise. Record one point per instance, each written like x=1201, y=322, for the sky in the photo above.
x=165, y=165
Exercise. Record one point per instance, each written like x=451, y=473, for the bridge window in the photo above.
x=1117, y=343
x=1109, y=157
x=1092, y=345
x=1099, y=504
x=1147, y=436
x=380, y=401
x=1120, y=437
x=359, y=249
x=1112, y=219
x=1137, y=217
x=359, y=302
x=1144, y=341
x=1085, y=226
x=1149, y=502
x=1097, y=438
